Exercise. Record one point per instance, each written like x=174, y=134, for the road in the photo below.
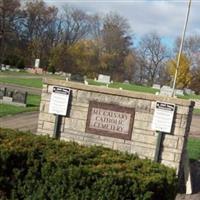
x=23, y=122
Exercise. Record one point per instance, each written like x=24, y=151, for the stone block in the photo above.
x=179, y=131
x=122, y=147
x=142, y=151
x=46, y=107
x=182, y=110
x=116, y=140
x=47, y=117
x=143, y=105
x=48, y=126
x=75, y=124
x=170, y=143
x=45, y=97
x=142, y=125
x=76, y=114
x=83, y=96
x=167, y=156
x=180, y=143
x=144, y=138
x=143, y=116
x=143, y=132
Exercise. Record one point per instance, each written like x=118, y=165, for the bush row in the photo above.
x=38, y=167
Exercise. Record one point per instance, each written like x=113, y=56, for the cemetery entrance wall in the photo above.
x=117, y=119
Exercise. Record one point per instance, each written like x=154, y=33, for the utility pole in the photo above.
x=181, y=48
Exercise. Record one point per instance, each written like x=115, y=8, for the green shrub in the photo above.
x=37, y=167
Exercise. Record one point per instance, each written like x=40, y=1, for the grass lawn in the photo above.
x=33, y=102
x=125, y=86
x=194, y=148
x=29, y=82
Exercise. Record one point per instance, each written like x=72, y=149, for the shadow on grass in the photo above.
x=195, y=175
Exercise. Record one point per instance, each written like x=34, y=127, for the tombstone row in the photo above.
x=13, y=97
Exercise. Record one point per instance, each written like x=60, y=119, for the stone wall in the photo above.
x=143, y=139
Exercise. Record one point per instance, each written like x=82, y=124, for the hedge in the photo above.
x=40, y=168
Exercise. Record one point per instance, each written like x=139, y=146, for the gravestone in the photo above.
x=7, y=67
x=188, y=91
x=2, y=90
x=156, y=86
x=179, y=92
x=166, y=91
x=8, y=93
x=20, y=97
x=104, y=78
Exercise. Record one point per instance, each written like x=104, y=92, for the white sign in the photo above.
x=37, y=63
x=163, y=117
x=59, y=101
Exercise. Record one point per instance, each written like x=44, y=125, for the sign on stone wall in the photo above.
x=59, y=101
x=163, y=117
x=110, y=120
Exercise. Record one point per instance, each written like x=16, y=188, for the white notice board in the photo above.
x=163, y=117
x=59, y=101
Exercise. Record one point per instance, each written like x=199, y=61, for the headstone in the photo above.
x=156, y=86
x=20, y=97
x=126, y=81
x=104, y=78
x=37, y=63
x=187, y=91
x=3, y=68
x=2, y=90
x=7, y=99
x=8, y=93
x=7, y=67
x=166, y=90
x=179, y=92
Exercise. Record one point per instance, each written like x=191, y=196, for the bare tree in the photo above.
x=75, y=24
x=152, y=56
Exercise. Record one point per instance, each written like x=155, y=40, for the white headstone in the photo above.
x=166, y=90
x=179, y=92
x=104, y=78
x=37, y=63
x=156, y=86
x=187, y=91
x=7, y=67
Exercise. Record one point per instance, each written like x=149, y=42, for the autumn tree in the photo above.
x=184, y=75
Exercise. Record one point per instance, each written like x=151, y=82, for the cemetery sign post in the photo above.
x=162, y=123
x=58, y=105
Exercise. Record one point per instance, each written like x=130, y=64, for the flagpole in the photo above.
x=181, y=48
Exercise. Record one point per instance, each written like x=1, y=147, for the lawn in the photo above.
x=125, y=86
x=194, y=148
x=29, y=82
x=33, y=102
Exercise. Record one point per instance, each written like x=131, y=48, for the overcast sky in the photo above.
x=145, y=16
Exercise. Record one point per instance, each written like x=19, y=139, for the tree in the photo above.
x=39, y=30
x=10, y=16
x=184, y=75
x=116, y=44
x=153, y=55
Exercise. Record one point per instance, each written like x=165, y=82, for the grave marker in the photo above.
x=104, y=78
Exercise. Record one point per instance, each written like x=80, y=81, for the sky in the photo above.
x=145, y=16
